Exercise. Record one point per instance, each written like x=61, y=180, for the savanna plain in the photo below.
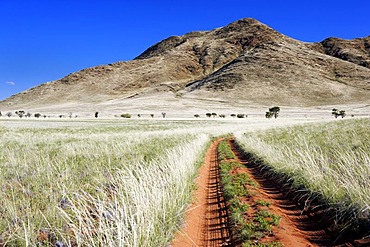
x=128, y=182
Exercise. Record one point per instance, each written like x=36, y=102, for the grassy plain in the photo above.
x=331, y=160
x=98, y=182
x=104, y=182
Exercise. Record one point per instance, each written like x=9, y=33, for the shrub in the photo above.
x=222, y=115
x=337, y=113
x=275, y=111
x=20, y=113
x=208, y=114
x=269, y=114
x=196, y=116
x=240, y=116
x=126, y=115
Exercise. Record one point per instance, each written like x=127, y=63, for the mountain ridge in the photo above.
x=246, y=60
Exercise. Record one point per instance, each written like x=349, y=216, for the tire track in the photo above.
x=302, y=218
x=206, y=220
x=217, y=227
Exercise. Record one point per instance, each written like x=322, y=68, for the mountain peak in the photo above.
x=244, y=60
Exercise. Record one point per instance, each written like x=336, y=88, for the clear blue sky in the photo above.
x=44, y=40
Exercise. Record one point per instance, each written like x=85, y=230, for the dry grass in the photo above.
x=331, y=160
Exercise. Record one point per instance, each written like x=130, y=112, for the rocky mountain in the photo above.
x=245, y=61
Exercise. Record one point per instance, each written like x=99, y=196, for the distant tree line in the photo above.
x=272, y=112
x=208, y=114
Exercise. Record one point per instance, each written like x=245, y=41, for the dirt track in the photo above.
x=208, y=224
x=206, y=219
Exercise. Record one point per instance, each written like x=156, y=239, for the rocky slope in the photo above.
x=245, y=60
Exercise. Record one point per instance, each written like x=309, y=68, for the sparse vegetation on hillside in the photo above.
x=196, y=64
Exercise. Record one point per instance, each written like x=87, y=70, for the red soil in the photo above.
x=207, y=218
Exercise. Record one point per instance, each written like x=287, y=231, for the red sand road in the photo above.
x=206, y=220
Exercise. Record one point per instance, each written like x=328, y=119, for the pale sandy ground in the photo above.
x=186, y=107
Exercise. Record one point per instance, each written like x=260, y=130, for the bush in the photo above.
x=338, y=113
x=196, y=115
x=222, y=115
x=269, y=114
x=126, y=115
x=240, y=116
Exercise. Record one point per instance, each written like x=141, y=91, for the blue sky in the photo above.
x=44, y=40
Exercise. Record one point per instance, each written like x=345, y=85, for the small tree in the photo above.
x=163, y=114
x=196, y=115
x=20, y=113
x=240, y=115
x=335, y=112
x=9, y=114
x=275, y=111
x=96, y=114
x=152, y=115
x=208, y=114
x=28, y=114
x=214, y=114
x=138, y=115
x=269, y=114
x=338, y=113
x=0, y=114
x=233, y=115
x=222, y=115
x=37, y=115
